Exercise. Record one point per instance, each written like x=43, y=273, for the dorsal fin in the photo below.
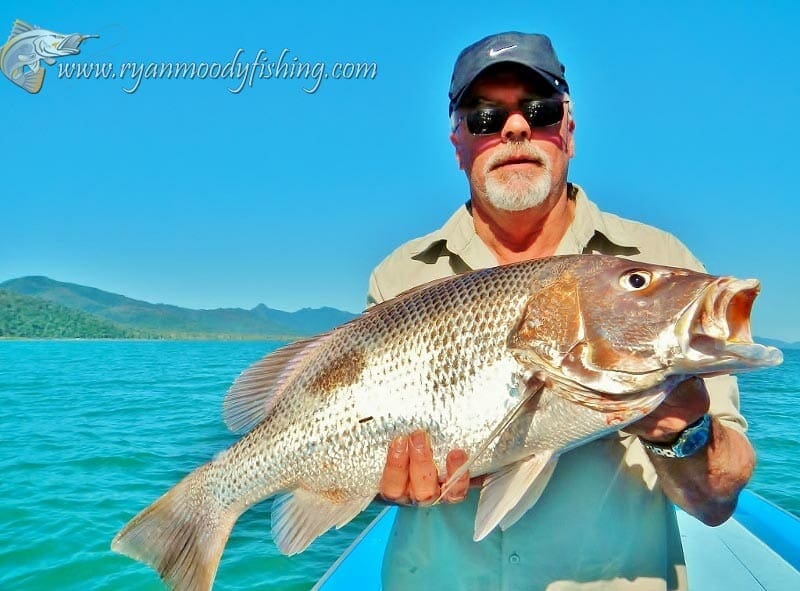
x=255, y=392
x=20, y=27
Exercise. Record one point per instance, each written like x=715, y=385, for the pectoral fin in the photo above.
x=300, y=517
x=506, y=495
x=533, y=385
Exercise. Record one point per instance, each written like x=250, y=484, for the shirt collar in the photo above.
x=458, y=237
x=589, y=228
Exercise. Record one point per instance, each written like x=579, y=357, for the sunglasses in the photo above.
x=491, y=119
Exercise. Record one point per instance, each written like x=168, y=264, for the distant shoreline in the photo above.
x=37, y=307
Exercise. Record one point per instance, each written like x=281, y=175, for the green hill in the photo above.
x=174, y=321
x=29, y=317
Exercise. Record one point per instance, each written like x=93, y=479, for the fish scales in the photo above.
x=424, y=354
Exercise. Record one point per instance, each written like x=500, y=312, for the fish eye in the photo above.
x=635, y=280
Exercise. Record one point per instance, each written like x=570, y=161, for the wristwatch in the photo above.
x=691, y=440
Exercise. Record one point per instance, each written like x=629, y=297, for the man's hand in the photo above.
x=687, y=402
x=411, y=477
x=706, y=484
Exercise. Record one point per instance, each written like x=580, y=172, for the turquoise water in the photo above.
x=91, y=432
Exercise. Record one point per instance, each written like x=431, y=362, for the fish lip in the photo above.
x=715, y=332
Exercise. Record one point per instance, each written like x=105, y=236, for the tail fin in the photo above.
x=181, y=535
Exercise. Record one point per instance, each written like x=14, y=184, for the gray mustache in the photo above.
x=525, y=150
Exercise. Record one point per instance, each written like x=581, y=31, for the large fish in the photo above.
x=514, y=364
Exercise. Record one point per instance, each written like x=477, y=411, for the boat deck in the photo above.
x=758, y=549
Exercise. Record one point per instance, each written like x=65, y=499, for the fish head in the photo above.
x=617, y=327
x=52, y=45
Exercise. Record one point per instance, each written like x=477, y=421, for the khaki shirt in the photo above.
x=602, y=522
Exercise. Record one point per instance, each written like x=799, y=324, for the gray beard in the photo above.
x=517, y=192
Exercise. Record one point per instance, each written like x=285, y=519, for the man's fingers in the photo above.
x=458, y=491
x=410, y=474
x=423, y=476
x=394, y=482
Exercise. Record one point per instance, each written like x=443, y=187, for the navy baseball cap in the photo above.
x=531, y=50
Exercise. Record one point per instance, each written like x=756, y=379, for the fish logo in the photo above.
x=27, y=46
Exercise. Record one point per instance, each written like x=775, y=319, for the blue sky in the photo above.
x=185, y=193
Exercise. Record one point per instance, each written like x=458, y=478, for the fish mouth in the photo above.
x=714, y=332
x=69, y=44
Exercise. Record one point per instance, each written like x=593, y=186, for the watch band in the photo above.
x=691, y=440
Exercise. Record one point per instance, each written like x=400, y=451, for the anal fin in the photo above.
x=299, y=517
x=32, y=81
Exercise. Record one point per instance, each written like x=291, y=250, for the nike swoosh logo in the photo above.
x=495, y=52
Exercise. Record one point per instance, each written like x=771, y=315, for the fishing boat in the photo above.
x=758, y=549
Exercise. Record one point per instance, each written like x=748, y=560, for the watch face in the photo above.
x=693, y=439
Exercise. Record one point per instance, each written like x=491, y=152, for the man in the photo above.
x=604, y=521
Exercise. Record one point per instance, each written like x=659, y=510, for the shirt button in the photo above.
x=514, y=558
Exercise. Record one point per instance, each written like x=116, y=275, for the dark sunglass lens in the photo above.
x=543, y=113
x=486, y=121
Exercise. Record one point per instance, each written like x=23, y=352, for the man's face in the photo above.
x=519, y=167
